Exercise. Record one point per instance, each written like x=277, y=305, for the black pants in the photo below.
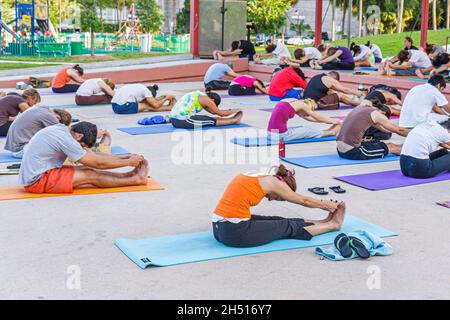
x=68, y=88
x=218, y=84
x=4, y=129
x=439, y=162
x=372, y=149
x=237, y=90
x=193, y=122
x=376, y=134
x=339, y=65
x=260, y=230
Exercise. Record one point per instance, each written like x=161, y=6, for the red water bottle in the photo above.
x=281, y=148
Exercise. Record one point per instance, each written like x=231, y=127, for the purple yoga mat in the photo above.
x=388, y=180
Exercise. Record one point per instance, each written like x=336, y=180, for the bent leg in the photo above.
x=236, y=119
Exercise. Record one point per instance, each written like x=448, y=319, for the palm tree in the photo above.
x=400, y=8
x=448, y=15
x=333, y=20
x=360, y=17
x=434, y=15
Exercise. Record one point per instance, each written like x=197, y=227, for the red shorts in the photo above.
x=54, y=181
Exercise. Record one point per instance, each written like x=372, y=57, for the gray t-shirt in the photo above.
x=26, y=126
x=47, y=150
x=216, y=72
x=9, y=107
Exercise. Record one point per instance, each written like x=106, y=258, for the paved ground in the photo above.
x=43, y=239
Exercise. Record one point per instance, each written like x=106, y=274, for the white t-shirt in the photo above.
x=365, y=51
x=281, y=50
x=420, y=59
x=376, y=51
x=90, y=88
x=419, y=104
x=312, y=53
x=425, y=139
x=131, y=93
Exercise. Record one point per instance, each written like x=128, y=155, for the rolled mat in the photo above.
x=388, y=180
x=166, y=128
x=202, y=246
x=331, y=160
x=264, y=141
x=18, y=192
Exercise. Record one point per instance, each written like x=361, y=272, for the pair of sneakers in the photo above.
x=348, y=244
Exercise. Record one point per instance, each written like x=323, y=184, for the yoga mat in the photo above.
x=343, y=117
x=165, y=128
x=18, y=193
x=445, y=204
x=367, y=69
x=331, y=160
x=417, y=79
x=340, y=108
x=225, y=96
x=201, y=246
x=264, y=141
x=70, y=106
x=5, y=156
x=388, y=180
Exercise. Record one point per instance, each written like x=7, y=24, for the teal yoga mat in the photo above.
x=201, y=246
x=331, y=160
x=167, y=128
x=72, y=106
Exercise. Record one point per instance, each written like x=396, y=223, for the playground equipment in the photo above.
x=131, y=30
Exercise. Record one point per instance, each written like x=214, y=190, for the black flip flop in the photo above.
x=13, y=166
x=319, y=191
x=342, y=243
x=338, y=189
x=359, y=248
x=75, y=120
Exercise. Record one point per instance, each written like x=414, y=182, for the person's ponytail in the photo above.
x=79, y=69
x=287, y=176
x=212, y=95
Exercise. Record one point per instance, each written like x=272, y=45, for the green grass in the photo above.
x=11, y=66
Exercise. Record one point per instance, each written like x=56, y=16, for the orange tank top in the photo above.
x=61, y=78
x=242, y=193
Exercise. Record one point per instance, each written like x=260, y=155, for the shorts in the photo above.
x=378, y=60
x=329, y=102
x=197, y=121
x=128, y=108
x=372, y=149
x=218, y=84
x=54, y=181
x=296, y=133
x=292, y=93
x=237, y=90
x=405, y=72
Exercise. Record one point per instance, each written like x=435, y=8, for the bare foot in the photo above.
x=142, y=174
x=238, y=116
x=338, y=215
x=335, y=129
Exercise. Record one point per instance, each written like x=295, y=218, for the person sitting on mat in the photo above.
x=304, y=56
x=425, y=152
x=287, y=109
x=285, y=82
x=339, y=58
x=134, y=98
x=350, y=142
x=422, y=100
x=278, y=53
x=408, y=62
x=239, y=48
x=362, y=55
x=215, y=73
x=12, y=104
x=409, y=44
x=235, y=226
x=328, y=92
x=433, y=50
x=95, y=91
x=376, y=51
x=439, y=65
x=29, y=123
x=68, y=79
x=246, y=85
x=42, y=169
x=184, y=113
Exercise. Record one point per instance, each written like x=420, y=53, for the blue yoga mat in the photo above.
x=264, y=141
x=367, y=69
x=201, y=246
x=331, y=160
x=165, y=128
x=417, y=79
x=6, y=156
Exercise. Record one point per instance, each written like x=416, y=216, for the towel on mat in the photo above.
x=373, y=243
x=152, y=120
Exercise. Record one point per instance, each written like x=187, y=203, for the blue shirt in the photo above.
x=216, y=72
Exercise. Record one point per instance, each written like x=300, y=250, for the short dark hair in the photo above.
x=153, y=89
x=437, y=81
x=322, y=47
x=299, y=53
x=382, y=107
x=403, y=56
x=271, y=48
x=234, y=45
x=335, y=75
x=89, y=132
x=440, y=59
x=409, y=39
x=299, y=72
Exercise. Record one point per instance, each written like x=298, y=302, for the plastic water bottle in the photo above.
x=361, y=87
x=281, y=148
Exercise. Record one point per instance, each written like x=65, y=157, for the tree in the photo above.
x=183, y=18
x=268, y=15
x=401, y=5
x=150, y=15
x=89, y=18
x=448, y=15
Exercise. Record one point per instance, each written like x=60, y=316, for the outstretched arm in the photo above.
x=315, y=117
x=331, y=58
x=74, y=75
x=381, y=119
x=106, y=161
x=211, y=107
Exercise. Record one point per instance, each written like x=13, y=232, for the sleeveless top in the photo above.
x=316, y=89
x=187, y=106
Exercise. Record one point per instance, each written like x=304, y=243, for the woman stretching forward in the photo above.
x=235, y=226
x=184, y=113
x=287, y=109
x=246, y=85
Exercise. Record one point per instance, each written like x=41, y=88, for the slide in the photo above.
x=9, y=30
x=42, y=23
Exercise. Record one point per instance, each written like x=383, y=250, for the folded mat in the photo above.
x=331, y=160
x=340, y=108
x=388, y=180
x=165, y=128
x=201, y=246
x=5, y=156
x=263, y=141
x=18, y=192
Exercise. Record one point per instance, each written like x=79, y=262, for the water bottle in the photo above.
x=361, y=87
x=281, y=148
